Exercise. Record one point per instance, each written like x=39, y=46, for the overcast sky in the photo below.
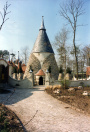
x=25, y=18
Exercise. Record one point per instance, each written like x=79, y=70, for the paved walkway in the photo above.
x=40, y=112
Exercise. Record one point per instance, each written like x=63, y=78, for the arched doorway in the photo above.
x=41, y=81
x=3, y=74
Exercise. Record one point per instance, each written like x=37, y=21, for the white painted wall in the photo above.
x=3, y=62
x=10, y=70
x=73, y=83
x=25, y=83
x=78, y=83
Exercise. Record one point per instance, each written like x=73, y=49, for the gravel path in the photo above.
x=40, y=112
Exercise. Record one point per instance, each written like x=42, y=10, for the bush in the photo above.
x=68, y=70
x=65, y=83
x=20, y=70
x=61, y=69
x=82, y=84
x=15, y=70
x=3, y=121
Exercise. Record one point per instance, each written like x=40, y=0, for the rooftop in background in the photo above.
x=88, y=71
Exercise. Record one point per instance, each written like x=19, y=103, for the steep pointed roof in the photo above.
x=42, y=25
x=42, y=43
x=40, y=73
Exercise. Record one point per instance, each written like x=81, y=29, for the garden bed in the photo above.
x=9, y=122
x=73, y=98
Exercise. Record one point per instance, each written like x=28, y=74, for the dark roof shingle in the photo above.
x=42, y=43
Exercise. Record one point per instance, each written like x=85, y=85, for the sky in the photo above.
x=22, y=28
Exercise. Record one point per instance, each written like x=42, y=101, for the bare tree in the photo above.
x=4, y=54
x=25, y=54
x=86, y=51
x=60, y=45
x=71, y=11
x=4, y=14
x=81, y=63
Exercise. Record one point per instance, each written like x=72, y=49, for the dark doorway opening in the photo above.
x=41, y=81
x=3, y=74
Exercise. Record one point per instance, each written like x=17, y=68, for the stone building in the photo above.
x=88, y=72
x=42, y=58
x=14, y=69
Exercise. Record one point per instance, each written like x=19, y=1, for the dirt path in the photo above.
x=40, y=112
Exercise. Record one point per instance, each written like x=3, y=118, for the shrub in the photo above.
x=61, y=69
x=68, y=70
x=20, y=70
x=82, y=84
x=6, y=122
x=15, y=70
x=65, y=83
x=2, y=118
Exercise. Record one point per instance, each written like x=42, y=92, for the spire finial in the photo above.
x=42, y=24
x=42, y=18
x=18, y=56
x=9, y=57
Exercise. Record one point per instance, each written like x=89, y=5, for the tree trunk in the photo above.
x=65, y=65
x=76, y=59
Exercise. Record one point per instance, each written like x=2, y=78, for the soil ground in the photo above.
x=9, y=121
x=73, y=98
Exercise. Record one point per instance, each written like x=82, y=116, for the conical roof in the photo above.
x=42, y=43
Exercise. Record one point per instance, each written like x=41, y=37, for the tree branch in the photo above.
x=71, y=12
x=1, y=14
x=6, y=6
